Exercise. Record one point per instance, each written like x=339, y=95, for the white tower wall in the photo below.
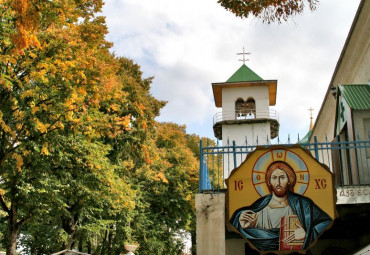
x=241, y=134
x=260, y=95
x=252, y=133
x=246, y=132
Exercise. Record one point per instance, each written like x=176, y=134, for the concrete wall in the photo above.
x=210, y=212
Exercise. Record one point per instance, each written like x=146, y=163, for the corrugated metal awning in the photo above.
x=356, y=95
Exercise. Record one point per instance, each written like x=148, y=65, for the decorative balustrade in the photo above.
x=245, y=115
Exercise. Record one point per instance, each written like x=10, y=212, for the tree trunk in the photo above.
x=88, y=246
x=104, y=240
x=69, y=226
x=11, y=246
x=68, y=244
x=11, y=243
x=110, y=240
x=193, y=243
x=80, y=244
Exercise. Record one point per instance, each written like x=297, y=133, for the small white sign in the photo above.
x=353, y=195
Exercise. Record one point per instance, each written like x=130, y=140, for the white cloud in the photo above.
x=187, y=45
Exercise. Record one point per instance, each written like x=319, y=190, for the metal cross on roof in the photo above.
x=311, y=118
x=311, y=110
x=243, y=53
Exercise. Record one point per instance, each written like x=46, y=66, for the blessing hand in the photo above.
x=299, y=234
x=247, y=219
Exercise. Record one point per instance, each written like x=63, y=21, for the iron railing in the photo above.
x=245, y=115
x=348, y=160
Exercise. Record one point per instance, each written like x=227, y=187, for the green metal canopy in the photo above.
x=356, y=95
x=244, y=73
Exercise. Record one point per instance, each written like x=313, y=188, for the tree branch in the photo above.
x=3, y=204
x=19, y=223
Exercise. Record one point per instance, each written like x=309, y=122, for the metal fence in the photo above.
x=348, y=160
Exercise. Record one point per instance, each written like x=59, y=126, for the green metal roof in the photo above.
x=244, y=74
x=306, y=138
x=356, y=95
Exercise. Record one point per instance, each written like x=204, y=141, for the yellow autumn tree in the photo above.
x=58, y=87
x=168, y=182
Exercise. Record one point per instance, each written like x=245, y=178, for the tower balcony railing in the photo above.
x=249, y=114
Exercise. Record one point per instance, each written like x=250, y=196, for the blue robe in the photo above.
x=313, y=219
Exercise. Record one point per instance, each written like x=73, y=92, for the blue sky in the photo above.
x=187, y=45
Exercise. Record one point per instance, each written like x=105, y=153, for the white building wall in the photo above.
x=242, y=134
x=260, y=95
x=253, y=133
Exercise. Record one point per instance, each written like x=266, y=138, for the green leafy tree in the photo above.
x=165, y=187
x=80, y=185
x=130, y=150
x=81, y=155
x=165, y=184
x=58, y=83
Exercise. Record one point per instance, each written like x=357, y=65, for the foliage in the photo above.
x=168, y=188
x=82, y=160
x=60, y=96
x=268, y=10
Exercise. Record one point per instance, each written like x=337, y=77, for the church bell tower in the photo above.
x=246, y=118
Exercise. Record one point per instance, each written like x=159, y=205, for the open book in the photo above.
x=288, y=226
